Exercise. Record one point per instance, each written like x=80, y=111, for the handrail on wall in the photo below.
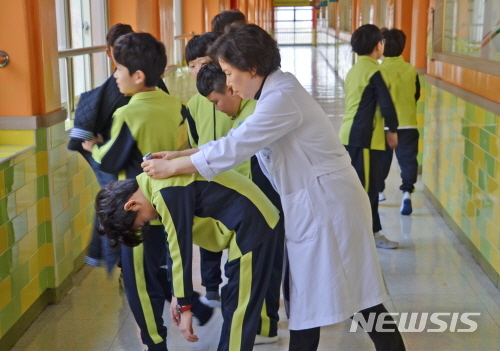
x=82, y=51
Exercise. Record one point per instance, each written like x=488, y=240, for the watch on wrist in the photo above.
x=185, y=308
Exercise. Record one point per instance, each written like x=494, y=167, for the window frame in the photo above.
x=473, y=63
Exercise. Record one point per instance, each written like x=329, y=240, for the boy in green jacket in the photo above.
x=404, y=87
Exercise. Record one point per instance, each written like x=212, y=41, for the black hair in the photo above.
x=198, y=46
x=395, y=41
x=113, y=220
x=211, y=78
x=220, y=21
x=141, y=52
x=247, y=47
x=117, y=31
x=365, y=39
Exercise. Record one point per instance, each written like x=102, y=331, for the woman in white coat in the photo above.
x=334, y=269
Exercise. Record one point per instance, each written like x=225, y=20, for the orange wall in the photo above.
x=403, y=20
x=30, y=83
x=193, y=16
x=418, y=40
x=142, y=15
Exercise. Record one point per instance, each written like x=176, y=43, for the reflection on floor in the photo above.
x=431, y=272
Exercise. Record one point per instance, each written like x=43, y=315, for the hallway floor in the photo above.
x=431, y=272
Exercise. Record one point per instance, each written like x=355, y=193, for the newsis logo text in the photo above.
x=437, y=322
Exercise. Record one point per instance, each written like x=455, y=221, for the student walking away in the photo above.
x=147, y=123
x=328, y=234
x=368, y=108
x=93, y=116
x=404, y=87
x=229, y=212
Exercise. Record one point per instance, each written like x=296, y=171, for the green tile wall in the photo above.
x=461, y=167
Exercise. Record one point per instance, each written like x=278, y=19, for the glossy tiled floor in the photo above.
x=431, y=272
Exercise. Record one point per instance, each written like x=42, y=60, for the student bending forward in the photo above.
x=228, y=212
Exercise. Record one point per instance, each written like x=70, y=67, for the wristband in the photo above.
x=185, y=308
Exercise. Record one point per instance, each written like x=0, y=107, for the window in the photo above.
x=472, y=28
x=294, y=25
x=81, y=24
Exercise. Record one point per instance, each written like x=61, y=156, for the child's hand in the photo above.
x=187, y=326
x=392, y=139
x=89, y=144
x=174, y=315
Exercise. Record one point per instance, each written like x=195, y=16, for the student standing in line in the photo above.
x=404, y=87
x=368, y=108
x=221, y=20
x=93, y=116
x=334, y=269
x=205, y=123
x=149, y=121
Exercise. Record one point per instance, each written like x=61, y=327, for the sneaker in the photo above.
x=381, y=197
x=383, y=243
x=261, y=340
x=406, y=208
x=210, y=303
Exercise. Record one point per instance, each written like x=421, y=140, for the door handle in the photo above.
x=4, y=59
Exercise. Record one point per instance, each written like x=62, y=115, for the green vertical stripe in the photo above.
x=265, y=321
x=140, y=281
x=366, y=166
x=244, y=292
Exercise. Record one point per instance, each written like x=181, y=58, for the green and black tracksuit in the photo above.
x=229, y=212
x=404, y=87
x=149, y=123
x=207, y=124
x=369, y=108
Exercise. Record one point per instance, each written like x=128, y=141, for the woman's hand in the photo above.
x=167, y=155
x=158, y=168
x=170, y=155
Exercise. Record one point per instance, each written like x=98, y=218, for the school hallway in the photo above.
x=430, y=272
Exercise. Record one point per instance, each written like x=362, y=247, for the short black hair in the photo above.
x=247, y=47
x=365, y=39
x=141, y=52
x=198, y=46
x=113, y=220
x=220, y=21
x=211, y=78
x=117, y=31
x=395, y=41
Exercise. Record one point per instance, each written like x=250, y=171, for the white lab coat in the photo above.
x=334, y=268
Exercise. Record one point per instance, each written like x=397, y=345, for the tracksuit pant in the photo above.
x=243, y=296
x=406, y=153
x=366, y=164
x=147, y=286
